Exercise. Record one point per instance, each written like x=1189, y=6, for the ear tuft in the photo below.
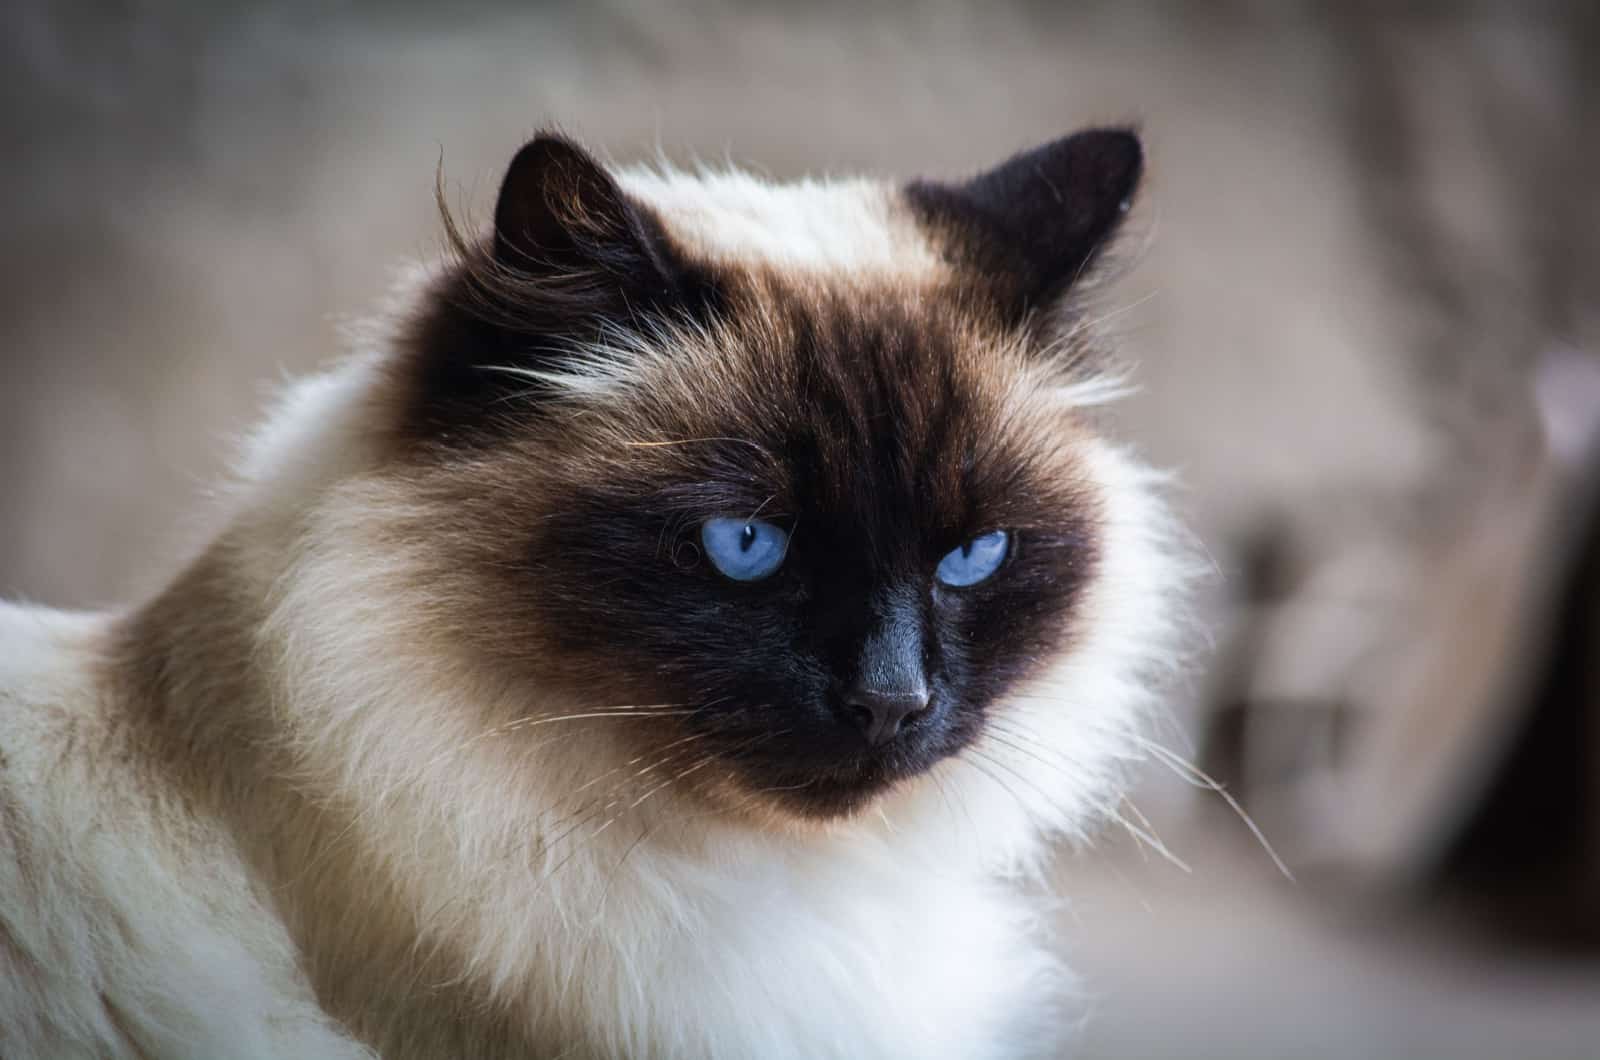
x=570, y=250
x=571, y=256
x=1032, y=224
x=559, y=210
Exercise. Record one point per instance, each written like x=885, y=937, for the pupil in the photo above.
x=966, y=550
x=747, y=537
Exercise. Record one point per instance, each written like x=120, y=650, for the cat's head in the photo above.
x=801, y=472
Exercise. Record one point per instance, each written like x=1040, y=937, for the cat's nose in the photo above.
x=880, y=714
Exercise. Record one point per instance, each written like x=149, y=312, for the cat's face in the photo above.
x=820, y=520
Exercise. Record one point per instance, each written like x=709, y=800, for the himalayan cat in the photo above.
x=680, y=631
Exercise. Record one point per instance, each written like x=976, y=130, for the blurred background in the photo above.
x=1361, y=295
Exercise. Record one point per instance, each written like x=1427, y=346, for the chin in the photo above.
x=848, y=780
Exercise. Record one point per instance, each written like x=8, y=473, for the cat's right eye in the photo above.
x=974, y=561
x=745, y=550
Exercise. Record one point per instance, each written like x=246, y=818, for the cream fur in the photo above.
x=381, y=840
x=128, y=927
x=849, y=226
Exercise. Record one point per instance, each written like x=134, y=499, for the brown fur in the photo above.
x=389, y=696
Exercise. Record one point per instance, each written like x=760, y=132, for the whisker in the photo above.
x=999, y=732
x=1111, y=811
x=707, y=760
x=550, y=844
x=978, y=765
x=1148, y=838
x=656, y=826
x=628, y=710
x=534, y=720
x=1199, y=778
x=636, y=758
x=1089, y=324
x=704, y=761
x=1144, y=821
x=944, y=796
x=1148, y=834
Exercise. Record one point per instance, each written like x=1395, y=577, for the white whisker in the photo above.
x=1199, y=778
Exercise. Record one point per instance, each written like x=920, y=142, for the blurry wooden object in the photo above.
x=1529, y=847
x=1447, y=737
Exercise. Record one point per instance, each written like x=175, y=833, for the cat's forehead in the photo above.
x=819, y=343
x=831, y=349
x=834, y=391
x=733, y=218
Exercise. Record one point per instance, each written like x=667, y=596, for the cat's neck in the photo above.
x=187, y=663
x=347, y=831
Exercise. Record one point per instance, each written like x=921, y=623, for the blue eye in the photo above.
x=746, y=550
x=975, y=560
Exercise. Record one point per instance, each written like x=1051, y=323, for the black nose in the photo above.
x=879, y=714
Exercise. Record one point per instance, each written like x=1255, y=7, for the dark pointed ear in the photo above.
x=570, y=257
x=1030, y=226
x=561, y=216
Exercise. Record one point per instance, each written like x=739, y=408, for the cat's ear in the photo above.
x=571, y=257
x=1032, y=225
x=563, y=221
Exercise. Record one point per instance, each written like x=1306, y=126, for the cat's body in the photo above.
x=375, y=773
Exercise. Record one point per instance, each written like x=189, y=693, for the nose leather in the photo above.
x=891, y=686
x=880, y=714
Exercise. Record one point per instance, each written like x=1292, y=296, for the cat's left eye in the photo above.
x=746, y=550
x=974, y=561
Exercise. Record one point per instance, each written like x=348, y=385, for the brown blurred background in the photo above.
x=1362, y=300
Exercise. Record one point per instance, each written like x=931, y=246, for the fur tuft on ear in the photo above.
x=570, y=256
x=559, y=212
x=568, y=247
x=1031, y=225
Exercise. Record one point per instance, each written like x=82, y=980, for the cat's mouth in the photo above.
x=829, y=796
x=849, y=778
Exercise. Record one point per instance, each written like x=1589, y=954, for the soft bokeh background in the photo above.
x=1362, y=296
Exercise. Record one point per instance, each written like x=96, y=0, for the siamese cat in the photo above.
x=680, y=631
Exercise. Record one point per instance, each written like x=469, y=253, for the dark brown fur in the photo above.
x=881, y=421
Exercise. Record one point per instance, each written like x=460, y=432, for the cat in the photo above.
x=684, y=628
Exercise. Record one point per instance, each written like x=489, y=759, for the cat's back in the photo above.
x=129, y=926
x=47, y=688
x=53, y=798
x=52, y=721
x=59, y=766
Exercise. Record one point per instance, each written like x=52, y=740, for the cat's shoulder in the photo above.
x=91, y=835
x=49, y=684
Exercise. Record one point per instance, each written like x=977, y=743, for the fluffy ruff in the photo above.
x=279, y=811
